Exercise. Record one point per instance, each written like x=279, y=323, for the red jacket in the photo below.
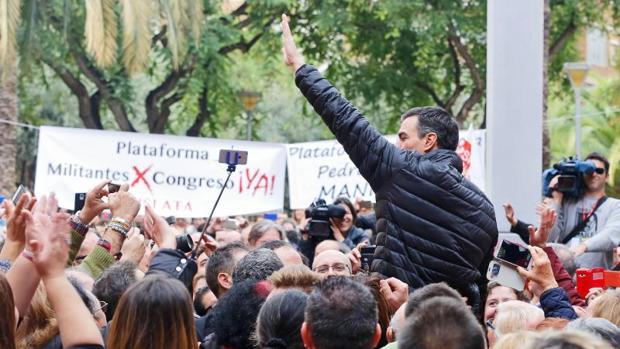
x=563, y=278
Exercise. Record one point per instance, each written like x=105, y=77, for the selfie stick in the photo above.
x=231, y=168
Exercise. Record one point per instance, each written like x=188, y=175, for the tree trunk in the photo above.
x=8, y=133
x=546, y=155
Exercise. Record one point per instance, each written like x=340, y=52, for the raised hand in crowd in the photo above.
x=395, y=292
x=355, y=257
x=94, y=205
x=541, y=272
x=292, y=56
x=158, y=230
x=510, y=214
x=15, y=239
x=124, y=207
x=548, y=216
x=133, y=248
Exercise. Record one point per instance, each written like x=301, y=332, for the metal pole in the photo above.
x=250, y=119
x=578, y=122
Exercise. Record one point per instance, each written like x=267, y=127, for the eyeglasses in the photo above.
x=103, y=306
x=338, y=268
x=599, y=170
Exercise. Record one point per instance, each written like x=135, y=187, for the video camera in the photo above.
x=571, y=173
x=319, y=212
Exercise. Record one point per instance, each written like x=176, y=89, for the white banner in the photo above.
x=323, y=169
x=178, y=176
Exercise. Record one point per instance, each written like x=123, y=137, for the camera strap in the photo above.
x=579, y=227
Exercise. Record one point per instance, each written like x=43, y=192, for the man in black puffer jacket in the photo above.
x=433, y=224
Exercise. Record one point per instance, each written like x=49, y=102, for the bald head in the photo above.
x=332, y=263
x=326, y=245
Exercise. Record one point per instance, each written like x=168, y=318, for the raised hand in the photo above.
x=47, y=233
x=94, y=203
x=16, y=224
x=541, y=272
x=133, y=248
x=395, y=292
x=123, y=204
x=292, y=56
x=510, y=214
x=158, y=230
x=548, y=216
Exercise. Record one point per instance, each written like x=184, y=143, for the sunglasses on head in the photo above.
x=599, y=170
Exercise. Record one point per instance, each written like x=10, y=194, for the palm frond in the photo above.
x=176, y=20
x=9, y=20
x=196, y=13
x=136, y=34
x=101, y=31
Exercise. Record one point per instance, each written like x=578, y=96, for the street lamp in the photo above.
x=249, y=99
x=577, y=73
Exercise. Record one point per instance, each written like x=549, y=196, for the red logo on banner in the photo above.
x=256, y=181
x=464, y=151
x=140, y=177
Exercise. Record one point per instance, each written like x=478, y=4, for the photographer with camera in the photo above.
x=433, y=224
x=589, y=222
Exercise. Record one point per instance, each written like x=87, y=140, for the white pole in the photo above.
x=578, y=122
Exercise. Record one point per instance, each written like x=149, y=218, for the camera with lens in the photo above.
x=319, y=212
x=571, y=173
x=184, y=243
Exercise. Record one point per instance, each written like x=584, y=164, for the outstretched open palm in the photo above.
x=292, y=56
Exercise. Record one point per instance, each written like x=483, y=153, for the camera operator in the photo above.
x=344, y=228
x=433, y=224
x=589, y=224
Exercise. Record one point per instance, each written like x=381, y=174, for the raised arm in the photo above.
x=374, y=156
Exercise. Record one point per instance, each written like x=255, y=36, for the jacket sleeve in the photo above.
x=521, y=229
x=563, y=278
x=554, y=303
x=609, y=237
x=175, y=264
x=375, y=157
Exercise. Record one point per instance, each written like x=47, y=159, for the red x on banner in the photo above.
x=140, y=177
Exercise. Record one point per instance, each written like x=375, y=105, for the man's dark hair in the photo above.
x=441, y=322
x=280, y=320
x=222, y=261
x=275, y=244
x=257, y=265
x=599, y=157
x=341, y=313
x=113, y=282
x=199, y=307
x=427, y=292
x=439, y=121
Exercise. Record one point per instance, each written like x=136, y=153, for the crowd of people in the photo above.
x=109, y=276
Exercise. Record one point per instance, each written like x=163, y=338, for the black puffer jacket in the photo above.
x=433, y=225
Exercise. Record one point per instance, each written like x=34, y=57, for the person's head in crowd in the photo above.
x=264, y=231
x=197, y=222
x=89, y=243
x=225, y=237
x=204, y=300
x=198, y=283
x=383, y=308
x=326, y=245
x=596, y=182
x=39, y=325
x=82, y=277
x=341, y=313
x=513, y=316
x=288, y=224
x=299, y=215
x=566, y=257
x=257, y=265
x=566, y=340
x=515, y=340
x=235, y=316
x=417, y=297
x=607, y=306
x=331, y=263
x=552, y=323
x=91, y=302
x=598, y=326
x=396, y=323
x=113, y=282
x=497, y=294
x=294, y=277
x=280, y=319
x=347, y=222
x=8, y=316
x=221, y=265
x=425, y=129
x=442, y=322
x=155, y=313
x=363, y=207
x=201, y=262
x=287, y=253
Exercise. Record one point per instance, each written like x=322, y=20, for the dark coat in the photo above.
x=433, y=224
x=554, y=302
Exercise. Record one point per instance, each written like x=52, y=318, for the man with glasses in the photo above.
x=593, y=245
x=332, y=263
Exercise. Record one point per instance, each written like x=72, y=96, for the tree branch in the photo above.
x=245, y=46
x=203, y=113
x=458, y=87
x=115, y=105
x=428, y=89
x=559, y=43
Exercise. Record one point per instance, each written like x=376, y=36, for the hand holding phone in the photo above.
x=541, y=272
x=368, y=253
x=514, y=254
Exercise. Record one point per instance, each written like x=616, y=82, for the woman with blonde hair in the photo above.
x=607, y=306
